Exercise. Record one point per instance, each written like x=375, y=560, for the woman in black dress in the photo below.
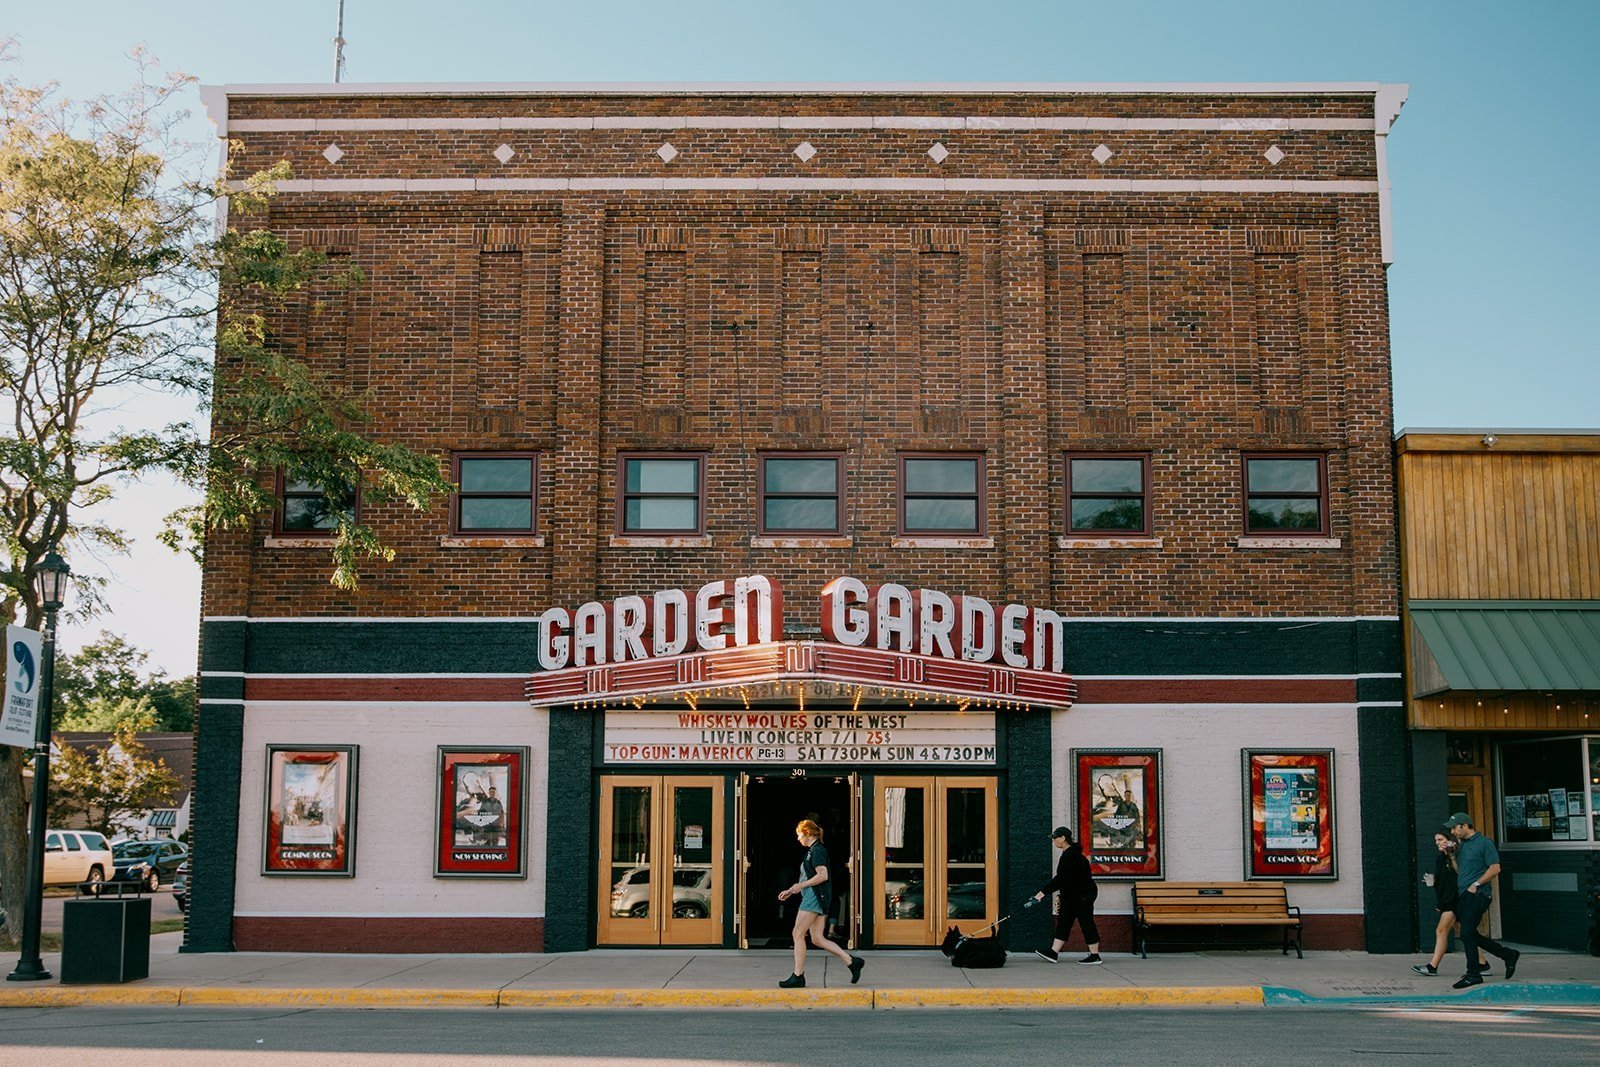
x=1446, y=903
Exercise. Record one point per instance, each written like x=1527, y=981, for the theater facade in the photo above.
x=942, y=463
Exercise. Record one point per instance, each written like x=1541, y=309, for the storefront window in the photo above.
x=1545, y=789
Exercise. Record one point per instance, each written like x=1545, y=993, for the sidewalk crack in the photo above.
x=674, y=976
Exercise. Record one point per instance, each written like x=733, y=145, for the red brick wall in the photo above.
x=1191, y=324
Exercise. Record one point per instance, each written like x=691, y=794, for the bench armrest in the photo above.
x=1292, y=909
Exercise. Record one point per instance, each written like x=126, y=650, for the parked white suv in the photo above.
x=72, y=857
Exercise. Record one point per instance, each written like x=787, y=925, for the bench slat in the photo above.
x=1220, y=920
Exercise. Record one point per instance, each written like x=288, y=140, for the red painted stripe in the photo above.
x=1090, y=691
x=384, y=689
x=377, y=933
x=1217, y=691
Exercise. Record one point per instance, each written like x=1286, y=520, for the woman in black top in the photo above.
x=815, y=890
x=1075, y=883
x=1446, y=901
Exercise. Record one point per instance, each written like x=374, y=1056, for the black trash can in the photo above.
x=105, y=938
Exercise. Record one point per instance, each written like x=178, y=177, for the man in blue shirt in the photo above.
x=1477, y=864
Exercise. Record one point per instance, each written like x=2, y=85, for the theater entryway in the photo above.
x=769, y=856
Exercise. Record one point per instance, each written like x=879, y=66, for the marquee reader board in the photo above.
x=816, y=738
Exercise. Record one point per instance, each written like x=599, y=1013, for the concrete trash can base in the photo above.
x=105, y=939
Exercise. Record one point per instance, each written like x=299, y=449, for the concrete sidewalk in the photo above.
x=725, y=979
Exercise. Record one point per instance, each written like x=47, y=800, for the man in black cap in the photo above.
x=1075, y=883
x=1477, y=864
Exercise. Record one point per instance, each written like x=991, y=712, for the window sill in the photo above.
x=642, y=541
x=942, y=542
x=290, y=541
x=1083, y=543
x=1290, y=542
x=800, y=542
x=493, y=541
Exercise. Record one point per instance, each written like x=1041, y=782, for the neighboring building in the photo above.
x=175, y=750
x=1113, y=354
x=1500, y=552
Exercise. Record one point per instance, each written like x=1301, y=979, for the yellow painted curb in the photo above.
x=686, y=998
x=268, y=996
x=1098, y=997
x=56, y=996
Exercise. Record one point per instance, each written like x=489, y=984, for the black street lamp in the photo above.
x=52, y=579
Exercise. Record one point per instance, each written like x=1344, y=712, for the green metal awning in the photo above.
x=1503, y=646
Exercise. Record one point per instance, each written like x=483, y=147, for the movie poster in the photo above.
x=1289, y=826
x=1119, y=812
x=482, y=824
x=310, y=810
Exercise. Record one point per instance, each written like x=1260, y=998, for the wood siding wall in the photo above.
x=1500, y=526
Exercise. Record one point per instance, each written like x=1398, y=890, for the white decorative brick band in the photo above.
x=998, y=123
x=790, y=184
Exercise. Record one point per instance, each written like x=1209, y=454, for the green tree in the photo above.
x=113, y=281
x=109, y=783
x=106, y=681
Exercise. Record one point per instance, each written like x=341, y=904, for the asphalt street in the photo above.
x=147, y=1037
x=161, y=907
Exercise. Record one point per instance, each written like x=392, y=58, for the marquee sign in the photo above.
x=728, y=636
x=800, y=737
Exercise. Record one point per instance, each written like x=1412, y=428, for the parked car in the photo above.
x=180, y=887
x=691, y=893
x=965, y=900
x=73, y=857
x=148, y=862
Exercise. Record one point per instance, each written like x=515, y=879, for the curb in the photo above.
x=1548, y=994
x=577, y=999
x=1519, y=994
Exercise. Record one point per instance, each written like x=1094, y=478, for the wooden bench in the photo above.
x=1217, y=904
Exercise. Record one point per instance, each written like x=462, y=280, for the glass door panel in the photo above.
x=971, y=877
x=902, y=810
x=627, y=861
x=693, y=853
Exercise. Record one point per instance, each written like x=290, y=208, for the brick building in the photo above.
x=1115, y=353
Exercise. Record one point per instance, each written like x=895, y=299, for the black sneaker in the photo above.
x=794, y=981
x=1048, y=955
x=1511, y=963
x=1427, y=969
x=856, y=963
x=1092, y=960
x=1467, y=981
x=1484, y=971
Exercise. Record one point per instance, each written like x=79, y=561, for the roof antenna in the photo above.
x=338, y=47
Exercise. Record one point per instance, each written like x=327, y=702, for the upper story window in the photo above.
x=802, y=493
x=1106, y=494
x=661, y=493
x=307, y=510
x=1286, y=494
x=499, y=492
x=942, y=493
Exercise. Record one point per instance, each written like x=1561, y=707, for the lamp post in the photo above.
x=52, y=578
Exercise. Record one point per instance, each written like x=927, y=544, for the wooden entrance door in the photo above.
x=934, y=857
x=661, y=854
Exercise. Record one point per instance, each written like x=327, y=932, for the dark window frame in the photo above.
x=283, y=495
x=982, y=494
x=623, y=496
x=1321, y=495
x=1143, y=496
x=532, y=494
x=838, y=494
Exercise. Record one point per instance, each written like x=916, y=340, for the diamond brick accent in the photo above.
x=804, y=151
x=667, y=153
x=1101, y=154
x=504, y=153
x=333, y=153
x=938, y=153
x=1274, y=155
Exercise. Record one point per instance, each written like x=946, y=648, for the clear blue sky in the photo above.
x=1493, y=160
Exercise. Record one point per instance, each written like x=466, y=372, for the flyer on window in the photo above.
x=1119, y=811
x=1289, y=824
x=482, y=824
x=310, y=810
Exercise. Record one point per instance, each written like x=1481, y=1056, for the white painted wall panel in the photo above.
x=395, y=810
x=1203, y=791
